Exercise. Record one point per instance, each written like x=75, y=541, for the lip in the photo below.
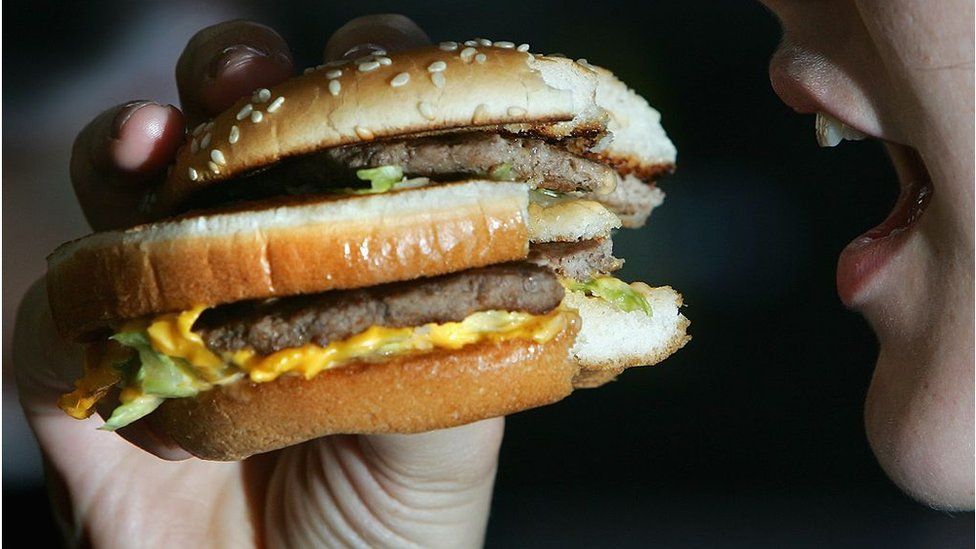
x=791, y=72
x=867, y=255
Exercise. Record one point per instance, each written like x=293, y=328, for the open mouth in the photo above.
x=800, y=87
x=867, y=254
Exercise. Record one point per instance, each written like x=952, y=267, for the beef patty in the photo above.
x=581, y=260
x=525, y=159
x=446, y=157
x=271, y=325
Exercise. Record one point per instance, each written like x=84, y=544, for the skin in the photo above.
x=431, y=490
x=902, y=71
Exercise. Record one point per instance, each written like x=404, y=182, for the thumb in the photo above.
x=429, y=490
x=461, y=457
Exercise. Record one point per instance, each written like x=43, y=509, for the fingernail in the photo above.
x=233, y=57
x=363, y=35
x=362, y=50
x=125, y=113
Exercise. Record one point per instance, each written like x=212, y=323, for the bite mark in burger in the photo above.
x=379, y=245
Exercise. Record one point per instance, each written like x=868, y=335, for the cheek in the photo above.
x=919, y=421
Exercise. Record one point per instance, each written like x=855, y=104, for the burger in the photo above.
x=392, y=244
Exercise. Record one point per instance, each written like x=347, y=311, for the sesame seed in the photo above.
x=448, y=46
x=516, y=111
x=245, y=111
x=205, y=140
x=467, y=54
x=504, y=44
x=194, y=146
x=218, y=157
x=199, y=128
x=369, y=66
x=235, y=134
x=385, y=61
x=336, y=63
x=334, y=87
x=436, y=66
x=308, y=70
x=379, y=51
x=276, y=104
x=334, y=73
x=426, y=110
x=438, y=79
x=213, y=167
x=522, y=48
x=363, y=133
x=210, y=125
x=261, y=95
x=481, y=58
x=364, y=59
x=484, y=42
x=257, y=116
x=193, y=174
x=400, y=79
x=470, y=42
x=480, y=113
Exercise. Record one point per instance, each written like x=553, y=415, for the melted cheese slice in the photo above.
x=172, y=334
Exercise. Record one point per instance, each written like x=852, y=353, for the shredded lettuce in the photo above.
x=381, y=179
x=159, y=374
x=130, y=411
x=614, y=291
x=501, y=172
x=158, y=377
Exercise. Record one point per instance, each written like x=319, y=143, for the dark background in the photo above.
x=752, y=434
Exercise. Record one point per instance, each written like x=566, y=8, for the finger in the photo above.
x=117, y=157
x=227, y=61
x=363, y=35
x=45, y=368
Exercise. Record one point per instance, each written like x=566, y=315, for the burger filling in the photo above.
x=449, y=157
x=181, y=354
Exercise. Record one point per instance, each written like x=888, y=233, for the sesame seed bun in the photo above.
x=423, y=91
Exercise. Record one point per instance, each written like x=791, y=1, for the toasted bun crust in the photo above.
x=505, y=87
x=309, y=246
x=407, y=394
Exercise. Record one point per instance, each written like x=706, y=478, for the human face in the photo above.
x=902, y=71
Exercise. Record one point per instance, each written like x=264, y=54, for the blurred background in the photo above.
x=750, y=436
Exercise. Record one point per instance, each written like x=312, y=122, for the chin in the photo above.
x=921, y=431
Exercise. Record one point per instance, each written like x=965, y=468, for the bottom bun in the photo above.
x=611, y=340
x=406, y=394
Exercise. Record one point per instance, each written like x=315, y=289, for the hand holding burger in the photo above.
x=345, y=489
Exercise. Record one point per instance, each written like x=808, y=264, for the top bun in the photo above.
x=442, y=88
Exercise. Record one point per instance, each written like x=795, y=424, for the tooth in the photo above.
x=831, y=131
